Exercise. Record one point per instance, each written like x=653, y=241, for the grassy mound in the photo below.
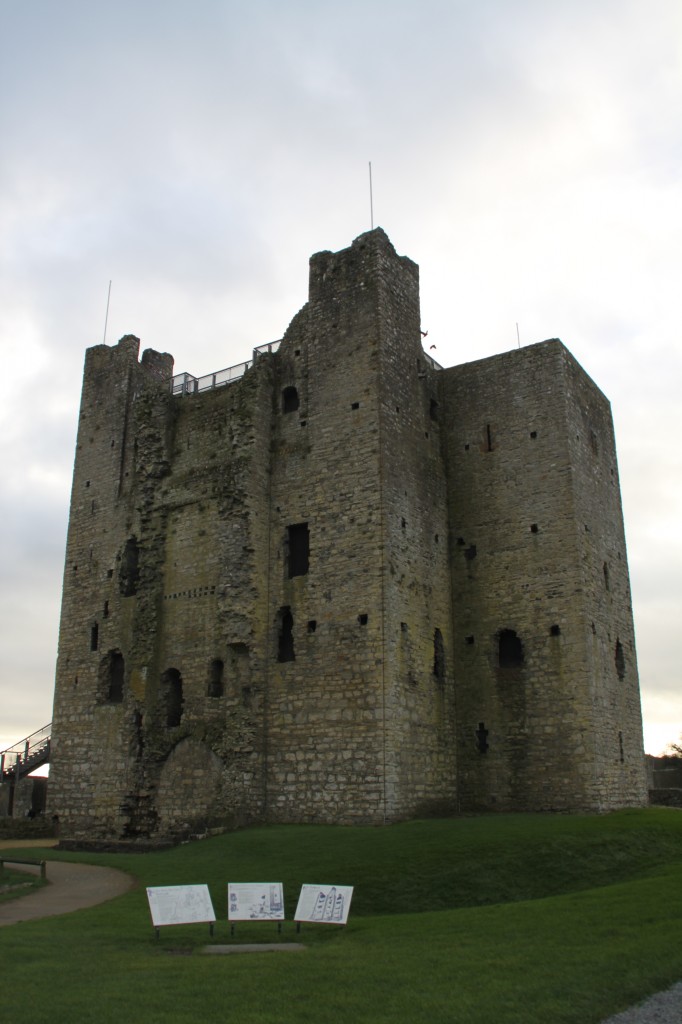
x=516, y=919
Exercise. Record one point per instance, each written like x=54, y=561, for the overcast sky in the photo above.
x=525, y=153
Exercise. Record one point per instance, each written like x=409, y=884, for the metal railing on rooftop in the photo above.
x=187, y=384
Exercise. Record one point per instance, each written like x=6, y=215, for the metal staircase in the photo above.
x=25, y=756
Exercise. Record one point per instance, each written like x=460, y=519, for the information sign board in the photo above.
x=180, y=904
x=255, y=901
x=324, y=904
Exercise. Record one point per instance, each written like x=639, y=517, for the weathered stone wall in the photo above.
x=535, y=515
x=348, y=587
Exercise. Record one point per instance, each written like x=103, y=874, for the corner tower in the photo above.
x=360, y=700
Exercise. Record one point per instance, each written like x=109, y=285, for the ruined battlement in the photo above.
x=350, y=587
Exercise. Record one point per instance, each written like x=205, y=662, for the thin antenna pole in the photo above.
x=371, y=201
x=518, y=337
x=106, y=317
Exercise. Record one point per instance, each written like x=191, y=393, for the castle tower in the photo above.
x=545, y=664
x=348, y=586
x=360, y=697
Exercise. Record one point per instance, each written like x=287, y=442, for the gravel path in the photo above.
x=663, y=1008
x=70, y=887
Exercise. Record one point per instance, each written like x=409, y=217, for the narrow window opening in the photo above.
x=290, y=401
x=620, y=660
x=355, y=405
x=469, y=640
x=620, y=747
x=129, y=569
x=554, y=630
x=433, y=409
x=94, y=637
x=105, y=610
x=606, y=576
x=215, y=678
x=298, y=549
x=285, y=635
x=115, y=668
x=438, y=655
x=403, y=524
x=171, y=695
x=466, y=447
x=470, y=553
x=533, y=434
x=312, y=625
x=482, y=737
x=403, y=627
x=489, y=438
x=363, y=619
x=510, y=649
x=533, y=527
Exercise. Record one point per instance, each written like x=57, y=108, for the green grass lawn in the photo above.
x=510, y=919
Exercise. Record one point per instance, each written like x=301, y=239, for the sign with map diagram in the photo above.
x=255, y=901
x=324, y=904
x=180, y=904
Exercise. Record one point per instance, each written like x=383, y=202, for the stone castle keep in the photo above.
x=349, y=586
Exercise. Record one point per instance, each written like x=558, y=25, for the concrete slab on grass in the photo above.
x=255, y=947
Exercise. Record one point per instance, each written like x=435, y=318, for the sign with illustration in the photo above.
x=324, y=904
x=255, y=901
x=180, y=904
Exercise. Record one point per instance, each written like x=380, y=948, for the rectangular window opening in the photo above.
x=298, y=549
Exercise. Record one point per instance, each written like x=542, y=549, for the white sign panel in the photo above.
x=324, y=904
x=180, y=904
x=255, y=901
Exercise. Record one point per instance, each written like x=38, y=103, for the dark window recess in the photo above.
x=482, y=737
x=469, y=640
x=403, y=627
x=606, y=576
x=129, y=570
x=488, y=438
x=171, y=695
x=94, y=637
x=363, y=619
x=355, y=405
x=438, y=655
x=510, y=649
x=290, y=402
x=433, y=409
x=470, y=553
x=620, y=747
x=215, y=678
x=312, y=625
x=285, y=635
x=533, y=434
x=113, y=670
x=533, y=527
x=298, y=548
x=247, y=696
x=554, y=630
x=105, y=610
x=620, y=660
